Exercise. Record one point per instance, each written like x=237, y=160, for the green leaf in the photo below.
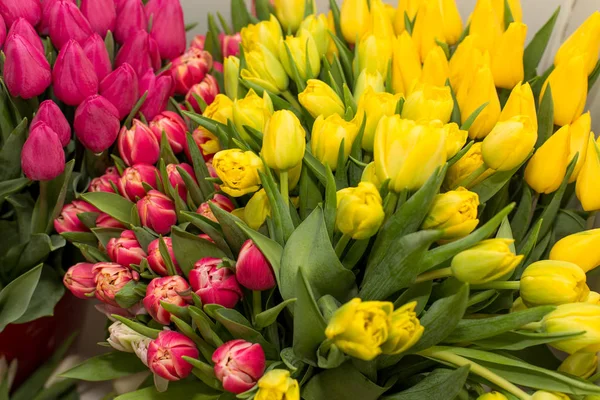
x=189, y=389
x=135, y=109
x=309, y=324
x=330, y=209
x=469, y=121
x=535, y=49
x=240, y=17
x=127, y=295
x=10, y=152
x=309, y=193
x=204, y=372
x=136, y=326
x=114, y=205
x=214, y=36
x=200, y=169
x=345, y=56
x=519, y=340
x=48, y=291
x=210, y=228
x=419, y=292
x=335, y=11
x=441, y=384
x=262, y=10
x=520, y=220
x=279, y=210
x=269, y=316
x=189, y=248
x=315, y=167
x=205, y=326
x=9, y=187
x=16, y=296
x=106, y=367
x=234, y=235
x=545, y=118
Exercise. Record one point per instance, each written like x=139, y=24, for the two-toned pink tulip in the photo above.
x=67, y=221
x=11, y=10
x=96, y=123
x=95, y=50
x=101, y=14
x=168, y=289
x=74, y=78
x=49, y=113
x=106, y=221
x=110, y=279
x=141, y=52
x=157, y=212
x=213, y=284
x=23, y=28
x=207, y=143
x=126, y=249
x=230, y=44
x=42, y=156
x=103, y=182
x=239, y=365
x=156, y=260
x=138, y=145
x=121, y=88
x=80, y=280
x=174, y=127
x=177, y=181
x=198, y=42
x=131, y=18
x=131, y=182
x=166, y=352
x=159, y=89
x=207, y=90
x=252, y=269
x=218, y=200
x=26, y=70
x=168, y=27
x=66, y=22
x=190, y=68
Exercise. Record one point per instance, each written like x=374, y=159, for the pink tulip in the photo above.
x=74, y=78
x=166, y=289
x=165, y=355
x=217, y=66
x=80, y=280
x=230, y=44
x=220, y=201
x=190, y=68
x=49, y=113
x=110, y=278
x=26, y=71
x=42, y=156
x=207, y=143
x=159, y=89
x=239, y=365
x=11, y=10
x=126, y=249
x=215, y=285
x=177, y=181
x=101, y=14
x=157, y=212
x=44, y=26
x=198, y=42
x=131, y=18
x=138, y=145
x=168, y=27
x=252, y=269
x=2, y=31
x=130, y=184
x=96, y=123
x=141, y=52
x=174, y=126
x=106, y=221
x=207, y=90
x=66, y=22
x=95, y=50
x=213, y=173
x=103, y=183
x=27, y=31
x=206, y=237
x=121, y=88
x=68, y=221
x=155, y=259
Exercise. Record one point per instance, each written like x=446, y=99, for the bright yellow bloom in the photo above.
x=478, y=91
x=485, y=26
x=370, y=175
x=290, y=13
x=428, y=102
x=277, y=384
x=579, y=132
x=579, y=248
x=391, y=13
x=370, y=45
x=253, y=111
x=360, y=328
x=509, y=144
x=455, y=139
x=359, y=211
x=374, y=106
x=575, y=317
x=257, y=210
x=436, y=69
x=381, y=26
x=492, y=396
x=318, y=27
x=320, y=99
x=581, y=364
x=453, y=212
x=515, y=10
x=406, y=64
x=355, y=19
x=220, y=110
x=409, y=7
x=231, y=76
x=453, y=26
x=284, y=141
x=267, y=33
x=550, y=282
x=327, y=136
x=464, y=64
x=238, y=170
x=543, y=395
x=520, y=102
x=264, y=69
x=405, y=330
x=463, y=168
x=584, y=41
x=588, y=181
x=593, y=298
x=507, y=59
x=547, y=168
x=368, y=79
x=429, y=27
x=300, y=47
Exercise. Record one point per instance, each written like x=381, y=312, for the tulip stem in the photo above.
x=283, y=186
x=437, y=274
x=342, y=244
x=391, y=201
x=591, y=221
x=256, y=303
x=472, y=177
x=501, y=285
x=290, y=97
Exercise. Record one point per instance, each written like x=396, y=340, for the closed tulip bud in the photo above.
x=374, y=106
x=141, y=52
x=428, y=102
x=587, y=182
x=507, y=58
x=575, y=317
x=66, y=22
x=138, y=145
x=11, y=10
x=257, y=210
x=476, y=92
x=584, y=41
x=131, y=18
x=103, y=182
x=465, y=166
x=157, y=212
x=106, y=221
x=359, y=211
x=579, y=132
x=569, y=86
x=44, y=26
x=368, y=79
x=207, y=90
x=95, y=50
x=238, y=170
x=520, y=102
x=101, y=14
x=74, y=78
x=405, y=330
x=581, y=364
x=318, y=28
x=123, y=338
x=252, y=269
x=354, y=19
x=579, y=249
x=190, y=69
x=121, y=88
x=408, y=7
x=513, y=5
x=289, y=13
x=547, y=168
x=42, y=156
x=213, y=284
x=369, y=45
x=230, y=44
x=320, y=99
x=80, y=281
x=231, y=75
x=23, y=28
x=267, y=33
x=451, y=21
x=264, y=69
x=487, y=261
x=428, y=29
x=159, y=89
x=492, y=396
x=284, y=141
x=406, y=64
x=485, y=26
x=218, y=200
x=509, y=144
x=96, y=123
x=455, y=139
x=304, y=54
x=436, y=70
x=49, y=113
x=327, y=136
x=168, y=27
x=156, y=260
x=130, y=184
x=67, y=220
x=464, y=64
x=173, y=126
x=239, y=365
x=165, y=355
x=26, y=70
x=125, y=249
x=543, y=395
x=110, y=279
x=166, y=290
x=552, y=283
x=253, y=111
x=454, y=213
x=369, y=175
x=177, y=181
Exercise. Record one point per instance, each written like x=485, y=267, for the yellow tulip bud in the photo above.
x=587, y=186
x=487, y=261
x=518, y=305
x=289, y=13
x=579, y=132
x=327, y=136
x=405, y=330
x=355, y=19
x=391, y=13
x=408, y=153
x=267, y=33
x=320, y=99
x=581, y=364
x=485, y=26
x=359, y=211
x=257, y=210
x=252, y=111
x=332, y=48
x=277, y=384
x=220, y=110
x=455, y=139
x=369, y=45
x=360, y=328
x=492, y=396
x=428, y=102
x=476, y=92
x=569, y=85
x=381, y=26
x=318, y=27
x=231, y=75
x=593, y=298
x=465, y=166
x=374, y=106
x=300, y=47
x=238, y=170
x=584, y=41
x=370, y=175
x=575, y=317
x=520, y=102
x=464, y=64
x=284, y=141
x=552, y=283
x=542, y=395
x=579, y=248
x=515, y=10
x=453, y=26
x=507, y=59
x=428, y=28
x=454, y=213
x=368, y=79
x=436, y=69
x=406, y=64
x=408, y=7
x=509, y=144
x=264, y=69
x=547, y=168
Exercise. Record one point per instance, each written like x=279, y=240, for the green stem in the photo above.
x=472, y=177
x=256, y=303
x=437, y=274
x=501, y=285
x=479, y=297
x=291, y=99
x=283, y=186
x=591, y=221
x=390, y=204
x=342, y=244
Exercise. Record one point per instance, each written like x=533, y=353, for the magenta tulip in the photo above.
x=215, y=285
x=177, y=181
x=141, y=52
x=66, y=22
x=44, y=26
x=101, y=14
x=166, y=289
x=2, y=31
x=26, y=71
x=239, y=365
x=95, y=50
x=165, y=355
x=218, y=200
x=80, y=280
x=217, y=66
x=168, y=27
x=11, y=10
x=138, y=145
x=68, y=221
x=190, y=68
x=110, y=279
x=106, y=221
x=173, y=126
x=120, y=87
x=42, y=156
x=96, y=123
x=73, y=77
x=198, y=42
x=49, y=113
x=27, y=31
x=230, y=44
x=252, y=269
x=155, y=259
x=126, y=249
x=157, y=212
x=130, y=184
x=131, y=18
x=159, y=89
x=103, y=182
x=207, y=90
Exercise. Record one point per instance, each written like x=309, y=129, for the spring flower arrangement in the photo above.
x=379, y=206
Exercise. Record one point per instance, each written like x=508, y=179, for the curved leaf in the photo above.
x=441, y=384
x=16, y=296
x=106, y=367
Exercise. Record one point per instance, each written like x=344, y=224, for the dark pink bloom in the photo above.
x=141, y=52
x=155, y=259
x=190, y=68
x=177, y=181
x=74, y=78
x=101, y=14
x=66, y=22
x=138, y=145
x=95, y=50
x=96, y=123
x=44, y=26
x=239, y=365
x=131, y=18
x=130, y=184
x=102, y=183
x=67, y=221
x=27, y=31
x=157, y=212
x=50, y=114
x=110, y=278
x=121, y=88
x=174, y=126
x=165, y=355
x=252, y=269
x=26, y=71
x=215, y=285
x=126, y=249
x=207, y=90
x=168, y=289
x=220, y=201
x=80, y=280
x=42, y=156
x=168, y=27
x=11, y=10
x=230, y=44
x=159, y=89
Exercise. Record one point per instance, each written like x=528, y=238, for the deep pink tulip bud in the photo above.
x=141, y=52
x=74, y=78
x=198, y=42
x=165, y=355
x=101, y=14
x=26, y=71
x=44, y=26
x=96, y=123
x=230, y=44
x=157, y=212
x=217, y=66
x=208, y=89
x=138, y=145
x=103, y=183
x=42, y=156
x=176, y=180
x=131, y=18
x=50, y=114
x=121, y=88
x=166, y=289
x=220, y=201
x=66, y=22
x=174, y=126
x=106, y=221
x=159, y=89
x=215, y=285
x=110, y=278
x=27, y=31
x=126, y=249
x=168, y=27
x=2, y=31
x=130, y=184
x=80, y=280
x=190, y=68
x=252, y=269
x=95, y=50
x=239, y=365
x=67, y=221
x=11, y=10
x=155, y=259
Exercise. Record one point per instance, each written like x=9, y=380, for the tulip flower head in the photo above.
x=11, y=10
x=174, y=127
x=579, y=248
x=110, y=278
x=103, y=182
x=374, y=106
x=579, y=132
x=121, y=88
x=23, y=28
x=587, y=187
x=157, y=212
x=473, y=94
x=487, y=261
x=239, y=365
x=552, y=283
x=327, y=136
x=230, y=44
x=428, y=28
x=156, y=260
x=520, y=102
x=368, y=79
x=304, y=54
x=166, y=352
x=575, y=317
x=130, y=183
x=101, y=14
x=190, y=69
x=436, y=69
x=74, y=78
x=207, y=90
x=257, y=209
x=320, y=99
x=547, y=168
x=369, y=45
x=49, y=113
x=140, y=51
x=252, y=269
x=176, y=180
x=584, y=41
x=96, y=123
x=253, y=111
x=159, y=89
x=264, y=69
x=543, y=395
x=168, y=289
x=66, y=22
x=581, y=364
x=509, y=144
x=428, y=102
x=492, y=396
x=80, y=280
x=215, y=284
x=238, y=170
x=406, y=64
x=42, y=156
x=405, y=330
x=277, y=384
x=318, y=28
x=207, y=143
x=126, y=249
x=95, y=50
x=284, y=141
x=569, y=86
x=67, y=220
x=123, y=338
x=138, y=145
x=106, y=221
x=218, y=200
x=465, y=166
x=131, y=18
x=355, y=19
x=26, y=70
x=453, y=212
x=360, y=211
x=231, y=75
x=168, y=27
x=507, y=58
x=267, y=33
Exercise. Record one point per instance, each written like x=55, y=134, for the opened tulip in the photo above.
x=320, y=99
x=120, y=87
x=267, y=33
x=552, y=283
x=125, y=249
x=428, y=28
x=436, y=70
x=67, y=221
x=231, y=75
x=487, y=261
x=141, y=52
x=138, y=145
x=131, y=18
x=406, y=64
x=405, y=330
x=66, y=22
x=264, y=69
x=355, y=19
x=167, y=290
x=177, y=181
x=101, y=14
x=42, y=156
x=359, y=211
x=454, y=213
x=95, y=50
x=284, y=141
x=509, y=144
x=207, y=90
x=593, y=298
x=26, y=71
x=374, y=106
x=173, y=126
x=327, y=136
x=569, y=87
x=257, y=210
x=96, y=123
x=156, y=260
x=218, y=200
x=579, y=248
x=103, y=182
x=238, y=170
x=253, y=111
x=368, y=79
x=584, y=41
x=318, y=28
x=74, y=78
x=23, y=28
x=547, y=168
x=474, y=93
x=110, y=279
x=130, y=184
x=575, y=317
x=579, y=132
x=581, y=364
x=166, y=352
x=123, y=338
x=80, y=280
x=11, y=10
x=520, y=102
x=252, y=269
x=428, y=102
x=369, y=45
x=507, y=58
x=277, y=384
x=303, y=52
x=239, y=365
x=168, y=27
x=159, y=89
x=485, y=26
x=190, y=69
x=157, y=212
x=215, y=285
x=49, y=113
x=492, y=396
x=587, y=187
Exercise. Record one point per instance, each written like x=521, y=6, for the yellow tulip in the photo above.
x=370, y=175
x=370, y=45
x=231, y=76
x=465, y=166
x=588, y=181
x=391, y=13
x=547, y=168
x=455, y=139
x=267, y=33
x=507, y=59
x=318, y=27
x=487, y=261
x=406, y=64
x=220, y=110
x=359, y=211
x=407, y=153
x=320, y=99
x=360, y=328
x=520, y=102
x=518, y=305
x=552, y=283
x=428, y=102
x=543, y=395
x=284, y=141
x=575, y=317
x=253, y=111
x=355, y=19
x=492, y=396
x=305, y=55
x=381, y=26
x=464, y=64
x=374, y=106
x=581, y=364
x=332, y=49
x=264, y=69
x=584, y=41
x=436, y=69
x=580, y=132
x=257, y=210
x=289, y=13
x=579, y=248
x=368, y=79
x=485, y=26
x=453, y=212
x=408, y=7
x=478, y=91
x=238, y=170
x=428, y=28
x=569, y=85
x=453, y=26
x=277, y=384
x=327, y=136
x=593, y=298
x=515, y=10
x=405, y=330
x=509, y=144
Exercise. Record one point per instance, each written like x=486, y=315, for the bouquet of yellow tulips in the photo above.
x=392, y=214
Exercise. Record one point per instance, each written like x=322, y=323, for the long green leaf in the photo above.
x=114, y=205
x=16, y=296
x=535, y=49
x=441, y=384
x=106, y=367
